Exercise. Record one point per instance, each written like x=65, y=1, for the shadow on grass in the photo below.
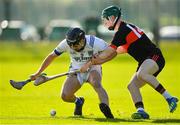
x=125, y=120
x=166, y=121
x=103, y=119
x=90, y=118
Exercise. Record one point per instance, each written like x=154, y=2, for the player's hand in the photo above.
x=34, y=76
x=121, y=50
x=85, y=67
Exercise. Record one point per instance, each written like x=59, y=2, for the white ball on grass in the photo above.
x=53, y=112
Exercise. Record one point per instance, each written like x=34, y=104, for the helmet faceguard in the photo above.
x=111, y=11
x=75, y=38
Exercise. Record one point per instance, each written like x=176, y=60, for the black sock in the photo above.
x=106, y=110
x=139, y=105
x=160, y=89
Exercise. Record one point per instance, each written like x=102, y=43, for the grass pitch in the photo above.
x=32, y=104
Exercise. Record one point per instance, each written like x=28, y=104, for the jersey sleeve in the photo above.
x=118, y=40
x=62, y=47
x=100, y=44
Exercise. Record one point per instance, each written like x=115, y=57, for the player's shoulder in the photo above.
x=123, y=29
x=123, y=26
x=126, y=23
x=91, y=39
x=63, y=42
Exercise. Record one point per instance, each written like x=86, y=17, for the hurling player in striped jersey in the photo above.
x=131, y=39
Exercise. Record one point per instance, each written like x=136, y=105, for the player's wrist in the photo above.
x=90, y=63
x=38, y=73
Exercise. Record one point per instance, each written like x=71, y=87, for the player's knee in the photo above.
x=96, y=84
x=64, y=97
x=141, y=75
x=144, y=76
x=130, y=86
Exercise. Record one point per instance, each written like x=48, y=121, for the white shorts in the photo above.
x=83, y=77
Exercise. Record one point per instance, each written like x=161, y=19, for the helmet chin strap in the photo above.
x=115, y=22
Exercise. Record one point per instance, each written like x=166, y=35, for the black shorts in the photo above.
x=159, y=59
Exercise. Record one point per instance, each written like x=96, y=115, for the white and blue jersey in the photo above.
x=93, y=46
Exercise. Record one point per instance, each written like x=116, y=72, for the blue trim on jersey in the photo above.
x=92, y=38
x=57, y=53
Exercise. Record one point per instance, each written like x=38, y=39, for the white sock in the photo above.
x=166, y=95
x=76, y=100
x=140, y=109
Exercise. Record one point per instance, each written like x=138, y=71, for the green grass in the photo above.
x=32, y=104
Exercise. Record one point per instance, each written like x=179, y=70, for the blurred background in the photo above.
x=49, y=20
x=31, y=29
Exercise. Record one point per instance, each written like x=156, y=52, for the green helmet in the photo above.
x=111, y=11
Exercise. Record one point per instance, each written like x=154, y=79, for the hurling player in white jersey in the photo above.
x=81, y=48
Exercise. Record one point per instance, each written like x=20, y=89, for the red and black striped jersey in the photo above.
x=134, y=41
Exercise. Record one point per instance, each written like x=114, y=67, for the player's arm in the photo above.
x=106, y=52
x=62, y=46
x=101, y=58
x=47, y=61
x=104, y=56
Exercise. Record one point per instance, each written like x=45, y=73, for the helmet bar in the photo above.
x=74, y=36
x=115, y=22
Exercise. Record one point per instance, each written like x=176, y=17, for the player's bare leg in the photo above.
x=70, y=87
x=95, y=80
x=134, y=89
x=145, y=73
